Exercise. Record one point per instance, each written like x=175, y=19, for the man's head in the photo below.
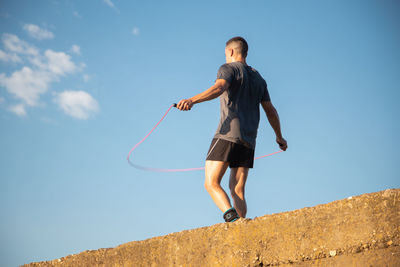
x=236, y=49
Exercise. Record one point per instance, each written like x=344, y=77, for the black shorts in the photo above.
x=236, y=154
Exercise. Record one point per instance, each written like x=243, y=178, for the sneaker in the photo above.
x=231, y=215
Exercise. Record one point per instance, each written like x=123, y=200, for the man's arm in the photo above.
x=273, y=119
x=213, y=92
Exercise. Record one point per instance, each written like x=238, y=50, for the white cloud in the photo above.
x=109, y=3
x=76, y=49
x=56, y=63
x=33, y=80
x=29, y=84
x=14, y=44
x=37, y=32
x=9, y=57
x=59, y=63
x=2, y=100
x=18, y=109
x=26, y=84
x=77, y=104
x=135, y=31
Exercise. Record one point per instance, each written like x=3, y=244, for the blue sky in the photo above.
x=81, y=82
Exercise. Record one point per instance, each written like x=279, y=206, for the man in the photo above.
x=241, y=89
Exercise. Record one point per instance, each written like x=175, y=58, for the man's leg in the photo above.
x=237, y=183
x=214, y=171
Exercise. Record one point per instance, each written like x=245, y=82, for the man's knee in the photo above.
x=237, y=190
x=209, y=185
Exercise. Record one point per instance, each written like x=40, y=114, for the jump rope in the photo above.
x=172, y=170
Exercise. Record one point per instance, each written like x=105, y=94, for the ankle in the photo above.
x=231, y=215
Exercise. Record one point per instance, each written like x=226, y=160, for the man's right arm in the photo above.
x=214, y=91
x=273, y=119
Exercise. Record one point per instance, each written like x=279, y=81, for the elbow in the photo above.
x=219, y=90
x=271, y=112
x=270, y=109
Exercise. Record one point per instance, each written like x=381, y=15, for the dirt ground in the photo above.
x=356, y=231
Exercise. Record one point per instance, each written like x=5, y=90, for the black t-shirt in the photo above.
x=240, y=104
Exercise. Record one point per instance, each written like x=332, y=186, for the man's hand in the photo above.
x=282, y=143
x=185, y=104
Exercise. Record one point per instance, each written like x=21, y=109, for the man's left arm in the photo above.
x=213, y=92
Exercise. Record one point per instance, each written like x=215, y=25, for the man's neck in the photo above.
x=240, y=59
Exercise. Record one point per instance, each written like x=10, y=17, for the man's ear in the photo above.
x=231, y=51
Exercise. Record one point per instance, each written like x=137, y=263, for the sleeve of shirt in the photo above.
x=265, y=95
x=226, y=72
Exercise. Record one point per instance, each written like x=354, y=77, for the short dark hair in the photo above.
x=243, y=47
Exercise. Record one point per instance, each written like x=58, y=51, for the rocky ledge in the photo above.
x=356, y=231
